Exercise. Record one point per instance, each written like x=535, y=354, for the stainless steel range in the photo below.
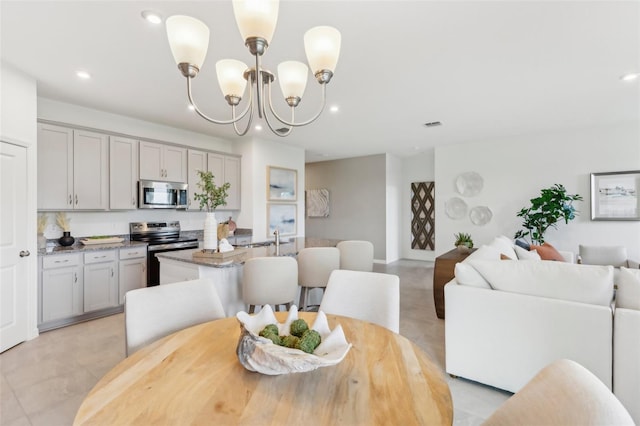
x=161, y=237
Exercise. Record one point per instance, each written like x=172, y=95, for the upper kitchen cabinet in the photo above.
x=197, y=162
x=163, y=162
x=226, y=168
x=73, y=169
x=123, y=173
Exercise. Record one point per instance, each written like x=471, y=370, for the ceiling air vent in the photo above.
x=433, y=124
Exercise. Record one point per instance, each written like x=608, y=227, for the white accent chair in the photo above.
x=269, y=281
x=356, y=255
x=369, y=296
x=315, y=265
x=615, y=256
x=562, y=393
x=154, y=312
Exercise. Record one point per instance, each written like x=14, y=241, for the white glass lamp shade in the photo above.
x=322, y=45
x=293, y=78
x=230, y=77
x=188, y=39
x=256, y=18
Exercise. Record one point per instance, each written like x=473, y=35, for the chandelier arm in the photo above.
x=235, y=123
x=206, y=117
x=266, y=117
x=304, y=123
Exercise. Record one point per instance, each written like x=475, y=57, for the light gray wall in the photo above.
x=357, y=200
x=515, y=171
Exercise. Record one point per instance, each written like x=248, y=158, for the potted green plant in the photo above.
x=547, y=210
x=211, y=197
x=463, y=242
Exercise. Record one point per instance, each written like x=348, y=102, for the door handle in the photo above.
x=24, y=253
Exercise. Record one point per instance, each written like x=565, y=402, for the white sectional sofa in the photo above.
x=506, y=320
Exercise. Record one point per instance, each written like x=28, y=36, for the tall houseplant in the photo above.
x=211, y=197
x=553, y=205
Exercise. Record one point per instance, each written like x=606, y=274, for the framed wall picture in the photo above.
x=614, y=196
x=282, y=184
x=281, y=217
x=317, y=202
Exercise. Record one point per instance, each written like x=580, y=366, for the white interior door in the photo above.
x=13, y=246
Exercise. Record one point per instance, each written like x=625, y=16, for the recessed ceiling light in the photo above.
x=151, y=16
x=83, y=74
x=630, y=76
x=334, y=108
x=258, y=127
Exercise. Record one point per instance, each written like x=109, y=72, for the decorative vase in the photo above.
x=42, y=241
x=66, y=239
x=463, y=248
x=210, y=239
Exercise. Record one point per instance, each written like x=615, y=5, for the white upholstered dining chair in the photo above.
x=356, y=255
x=269, y=281
x=369, y=296
x=562, y=393
x=315, y=265
x=154, y=312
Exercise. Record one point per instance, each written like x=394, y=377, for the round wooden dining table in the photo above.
x=193, y=377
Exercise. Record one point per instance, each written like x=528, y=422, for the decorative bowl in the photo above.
x=259, y=354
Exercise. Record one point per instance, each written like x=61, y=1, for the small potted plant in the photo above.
x=463, y=242
x=42, y=225
x=210, y=198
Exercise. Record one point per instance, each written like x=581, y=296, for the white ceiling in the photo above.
x=486, y=70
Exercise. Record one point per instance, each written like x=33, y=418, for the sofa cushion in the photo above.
x=504, y=245
x=484, y=252
x=591, y=284
x=467, y=275
x=547, y=252
x=526, y=254
x=628, y=294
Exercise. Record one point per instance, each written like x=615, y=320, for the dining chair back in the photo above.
x=615, y=256
x=269, y=281
x=356, y=255
x=562, y=393
x=369, y=296
x=315, y=265
x=154, y=312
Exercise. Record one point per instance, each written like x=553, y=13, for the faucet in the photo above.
x=277, y=234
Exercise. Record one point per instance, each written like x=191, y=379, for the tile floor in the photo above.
x=44, y=381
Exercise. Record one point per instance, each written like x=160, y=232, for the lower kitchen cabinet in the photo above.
x=75, y=287
x=100, y=280
x=62, y=287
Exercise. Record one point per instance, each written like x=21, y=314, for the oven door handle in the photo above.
x=173, y=246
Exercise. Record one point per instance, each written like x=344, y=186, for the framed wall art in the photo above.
x=317, y=202
x=281, y=184
x=614, y=195
x=281, y=217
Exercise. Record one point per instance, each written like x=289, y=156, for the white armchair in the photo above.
x=615, y=256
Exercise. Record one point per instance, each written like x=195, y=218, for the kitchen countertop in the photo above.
x=289, y=247
x=79, y=247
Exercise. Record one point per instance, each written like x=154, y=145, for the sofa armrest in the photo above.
x=626, y=360
x=503, y=339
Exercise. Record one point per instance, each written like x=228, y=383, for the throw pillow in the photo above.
x=504, y=257
x=628, y=294
x=467, y=275
x=525, y=254
x=504, y=246
x=521, y=243
x=484, y=252
x=547, y=252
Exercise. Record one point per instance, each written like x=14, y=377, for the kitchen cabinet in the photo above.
x=123, y=173
x=100, y=280
x=132, y=270
x=62, y=287
x=162, y=162
x=226, y=168
x=72, y=169
x=197, y=161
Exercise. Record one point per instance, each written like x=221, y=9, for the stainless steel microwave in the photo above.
x=162, y=195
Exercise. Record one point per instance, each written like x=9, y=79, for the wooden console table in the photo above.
x=443, y=272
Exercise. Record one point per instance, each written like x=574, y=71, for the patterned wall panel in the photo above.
x=423, y=216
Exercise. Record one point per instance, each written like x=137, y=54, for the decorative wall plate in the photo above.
x=469, y=184
x=455, y=208
x=262, y=355
x=480, y=215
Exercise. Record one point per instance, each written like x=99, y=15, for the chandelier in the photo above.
x=256, y=19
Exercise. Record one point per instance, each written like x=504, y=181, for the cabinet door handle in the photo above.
x=133, y=201
x=76, y=199
x=75, y=277
x=111, y=271
x=70, y=200
x=61, y=261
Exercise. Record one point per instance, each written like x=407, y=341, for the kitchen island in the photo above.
x=226, y=273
